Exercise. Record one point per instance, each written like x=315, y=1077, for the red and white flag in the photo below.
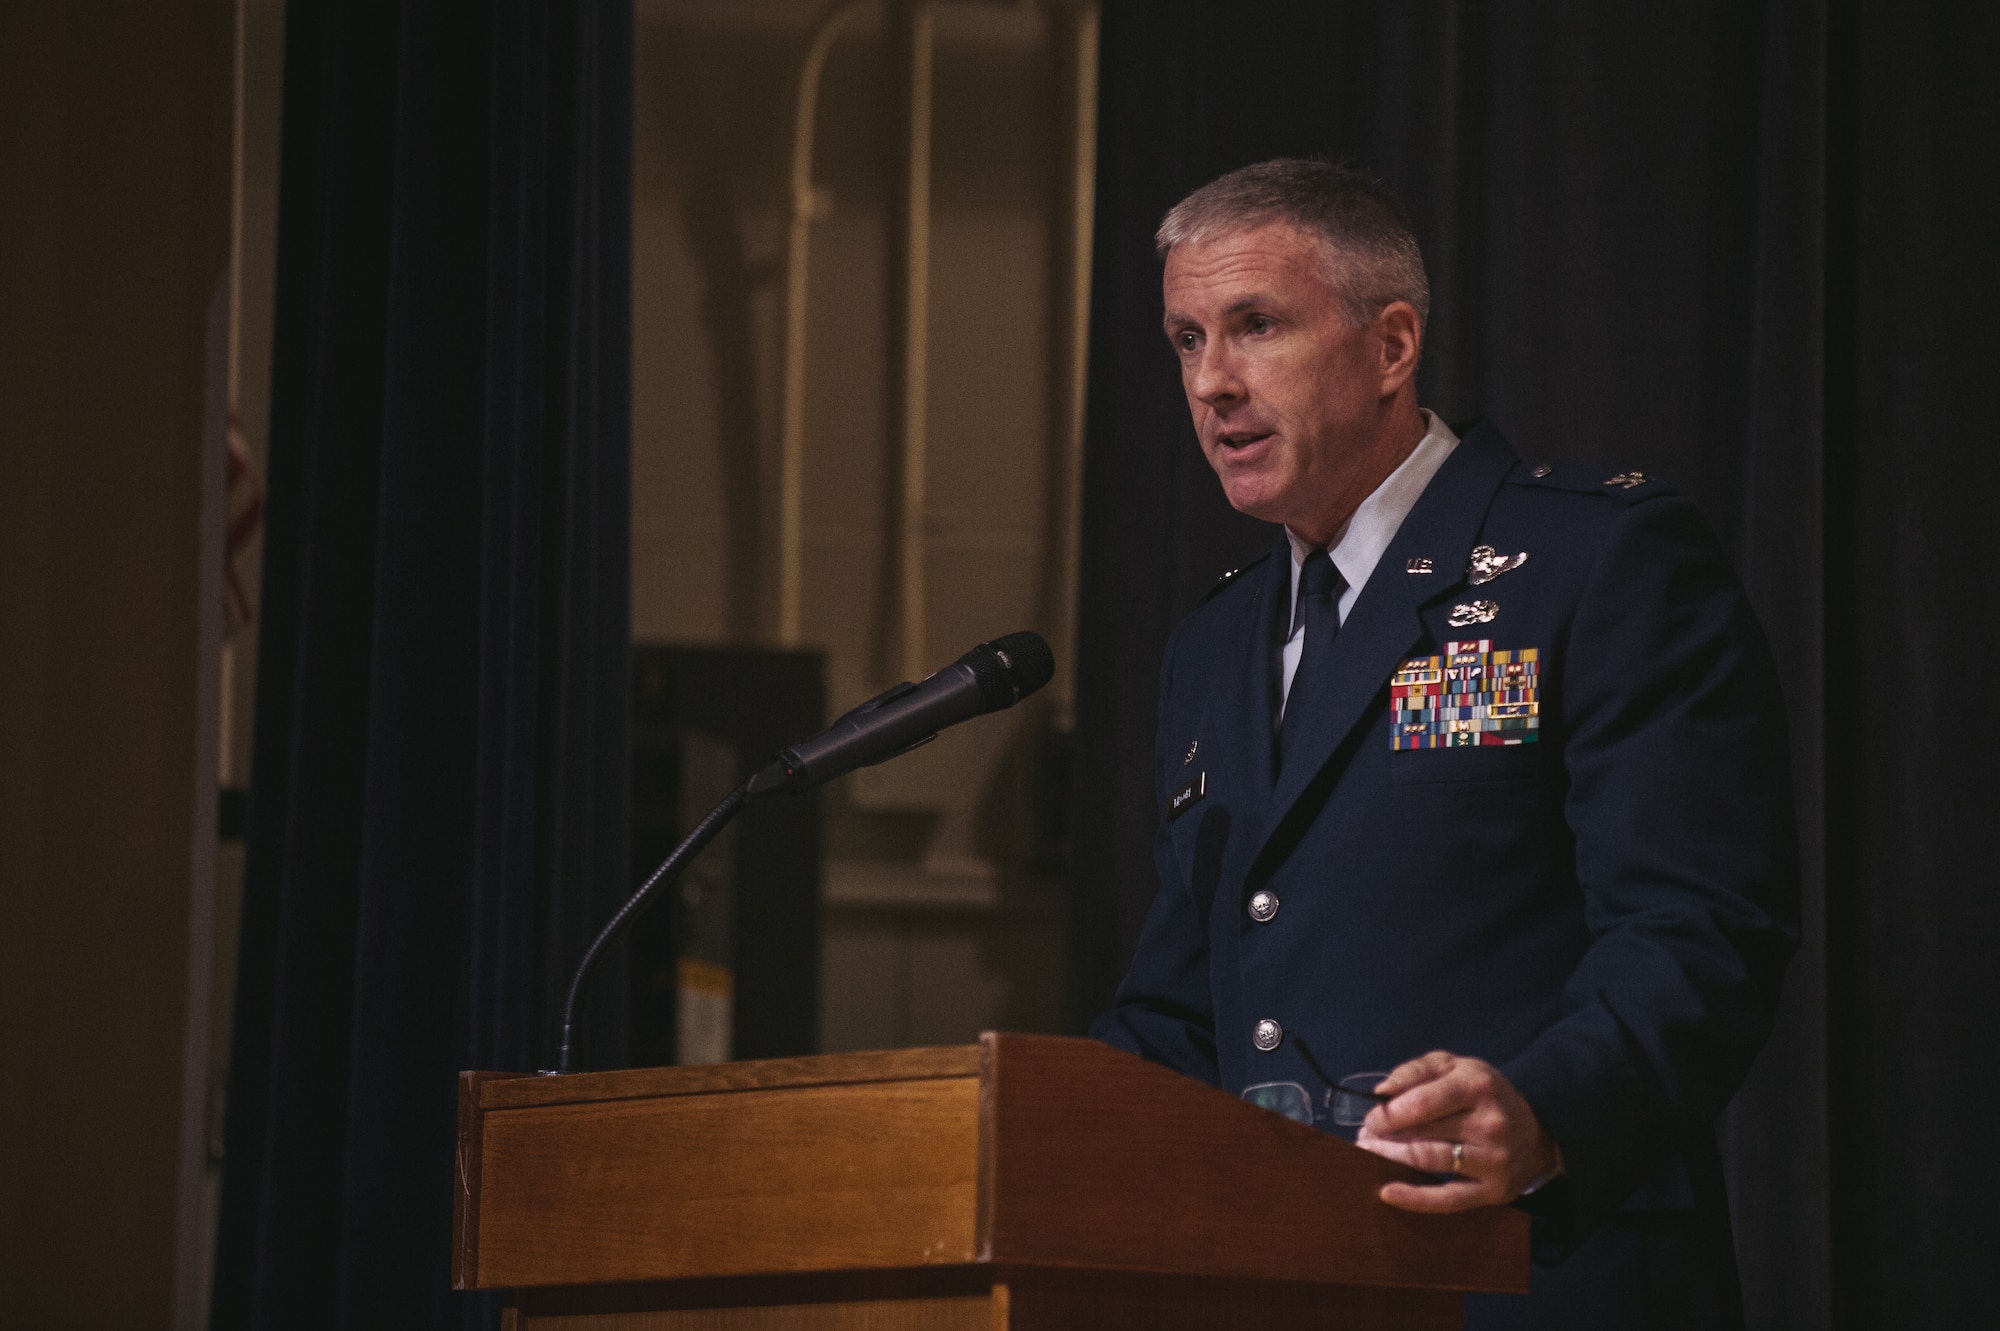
x=245, y=500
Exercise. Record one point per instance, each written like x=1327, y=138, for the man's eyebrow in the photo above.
x=1255, y=300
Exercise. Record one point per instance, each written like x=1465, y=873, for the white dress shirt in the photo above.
x=1359, y=544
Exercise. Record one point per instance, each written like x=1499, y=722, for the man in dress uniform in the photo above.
x=1479, y=778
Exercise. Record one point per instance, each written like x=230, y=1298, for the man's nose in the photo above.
x=1214, y=377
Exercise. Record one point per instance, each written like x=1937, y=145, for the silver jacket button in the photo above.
x=1267, y=1035
x=1263, y=905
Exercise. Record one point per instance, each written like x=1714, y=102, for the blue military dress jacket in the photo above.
x=1539, y=812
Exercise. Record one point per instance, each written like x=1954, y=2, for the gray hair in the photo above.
x=1372, y=254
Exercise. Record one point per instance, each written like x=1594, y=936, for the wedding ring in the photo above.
x=1458, y=1157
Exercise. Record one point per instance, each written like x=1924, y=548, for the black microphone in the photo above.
x=991, y=676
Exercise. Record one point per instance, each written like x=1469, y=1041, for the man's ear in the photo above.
x=1399, y=334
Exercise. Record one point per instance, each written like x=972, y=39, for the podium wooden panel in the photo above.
x=1023, y=1182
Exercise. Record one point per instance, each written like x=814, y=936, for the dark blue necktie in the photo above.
x=1320, y=586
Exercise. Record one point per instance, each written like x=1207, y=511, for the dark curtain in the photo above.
x=1748, y=247
x=439, y=805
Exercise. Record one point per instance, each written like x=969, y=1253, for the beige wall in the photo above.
x=114, y=194
x=934, y=928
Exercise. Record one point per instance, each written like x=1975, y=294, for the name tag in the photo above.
x=1187, y=796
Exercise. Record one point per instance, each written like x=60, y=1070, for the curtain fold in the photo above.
x=1745, y=246
x=439, y=792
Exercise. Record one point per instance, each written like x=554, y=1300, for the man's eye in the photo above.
x=1257, y=323
x=1186, y=340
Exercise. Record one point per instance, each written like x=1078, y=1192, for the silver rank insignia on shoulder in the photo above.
x=1420, y=566
x=1626, y=480
x=1488, y=564
x=1475, y=612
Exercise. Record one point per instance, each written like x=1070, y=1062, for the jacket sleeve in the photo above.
x=1680, y=803
x=1164, y=1010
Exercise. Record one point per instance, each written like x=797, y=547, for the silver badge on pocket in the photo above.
x=1487, y=564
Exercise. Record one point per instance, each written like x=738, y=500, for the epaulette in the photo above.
x=1231, y=576
x=1627, y=487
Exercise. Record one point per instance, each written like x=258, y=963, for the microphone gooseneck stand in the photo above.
x=704, y=832
x=992, y=676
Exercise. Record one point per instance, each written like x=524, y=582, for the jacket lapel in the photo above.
x=1242, y=709
x=1238, y=714
x=1384, y=624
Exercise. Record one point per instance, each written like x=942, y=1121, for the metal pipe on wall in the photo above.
x=1076, y=54
x=807, y=206
x=907, y=536
x=913, y=381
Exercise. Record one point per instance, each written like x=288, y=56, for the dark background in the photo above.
x=1747, y=247
x=440, y=790
x=1743, y=245
x=752, y=701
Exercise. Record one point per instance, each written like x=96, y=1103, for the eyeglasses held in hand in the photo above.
x=1347, y=1103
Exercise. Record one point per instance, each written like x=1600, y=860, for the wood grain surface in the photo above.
x=822, y=1176
x=966, y=1313
x=1094, y=1158
x=1000, y=1298
x=1026, y=1155
x=1098, y=1301
x=509, y=1091
x=466, y=1178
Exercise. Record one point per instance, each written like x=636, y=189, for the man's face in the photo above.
x=1286, y=395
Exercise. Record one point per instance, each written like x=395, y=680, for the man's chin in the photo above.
x=1254, y=500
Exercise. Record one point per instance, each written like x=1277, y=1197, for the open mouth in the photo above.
x=1241, y=443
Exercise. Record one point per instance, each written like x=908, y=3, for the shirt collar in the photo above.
x=1358, y=546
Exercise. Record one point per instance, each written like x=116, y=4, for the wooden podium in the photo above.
x=1023, y=1182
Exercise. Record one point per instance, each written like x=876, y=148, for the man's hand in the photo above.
x=1442, y=1100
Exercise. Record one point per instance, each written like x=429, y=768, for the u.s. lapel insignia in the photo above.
x=1420, y=566
x=1187, y=796
x=1473, y=612
x=1488, y=564
x=1193, y=744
